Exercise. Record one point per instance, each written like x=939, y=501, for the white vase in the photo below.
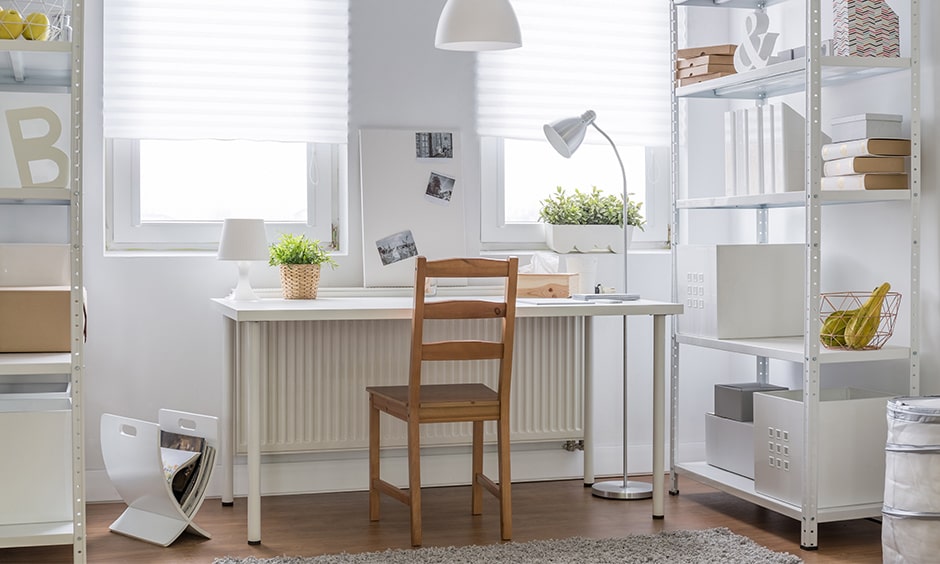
x=586, y=238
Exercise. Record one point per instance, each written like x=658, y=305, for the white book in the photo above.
x=730, y=166
x=865, y=182
x=872, y=147
x=754, y=158
x=768, y=149
x=861, y=165
x=740, y=151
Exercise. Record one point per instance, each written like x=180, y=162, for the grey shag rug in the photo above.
x=718, y=546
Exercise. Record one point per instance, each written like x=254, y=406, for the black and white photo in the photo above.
x=396, y=247
x=440, y=188
x=434, y=145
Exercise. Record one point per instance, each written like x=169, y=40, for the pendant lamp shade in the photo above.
x=478, y=25
x=566, y=134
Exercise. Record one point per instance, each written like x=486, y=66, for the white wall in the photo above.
x=155, y=342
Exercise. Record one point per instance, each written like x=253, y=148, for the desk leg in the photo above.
x=659, y=413
x=253, y=419
x=227, y=444
x=588, y=408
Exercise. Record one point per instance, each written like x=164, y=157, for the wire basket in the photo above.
x=831, y=303
x=300, y=281
x=57, y=28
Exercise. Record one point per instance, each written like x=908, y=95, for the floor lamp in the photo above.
x=566, y=136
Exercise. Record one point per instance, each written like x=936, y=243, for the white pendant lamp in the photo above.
x=478, y=25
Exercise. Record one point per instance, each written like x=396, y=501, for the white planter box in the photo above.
x=729, y=445
x=741, y=291
x=36, y=477
x=586, y=238
x=851, y=460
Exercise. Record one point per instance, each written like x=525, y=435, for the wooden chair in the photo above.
x=419, y=403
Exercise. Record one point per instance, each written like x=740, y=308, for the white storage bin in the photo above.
x=741, y=291
x=37, y=473
x=864, y=126
x=851, y=461
x=729, y=444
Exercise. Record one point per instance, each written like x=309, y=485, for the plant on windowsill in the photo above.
x=299, y=259
x=588, y=221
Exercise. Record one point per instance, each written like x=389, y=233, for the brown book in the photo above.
x=702, y=78
x=704, y=69
x=860, y=165
x=692, y=52
x=874, y=147
x=865, y=182
x=705, y=60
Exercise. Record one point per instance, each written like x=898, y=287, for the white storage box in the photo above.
x=741, y=291
x=37, y=472
x=864, y=126
x=851, y=460
x=729, y=445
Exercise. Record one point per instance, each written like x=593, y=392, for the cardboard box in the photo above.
x=852, y=433
x=729, y=445
x=34, y=319
x=864, y=126
x=559, y=285
x=736, y=401
x=741, y=291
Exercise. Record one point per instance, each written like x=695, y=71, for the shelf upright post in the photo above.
x=813, y=211
x=916, y=145
x=673, y=241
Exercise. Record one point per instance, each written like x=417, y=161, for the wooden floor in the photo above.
x=309, y=525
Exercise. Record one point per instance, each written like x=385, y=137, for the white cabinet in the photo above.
x=41, y=392
x=842, y=242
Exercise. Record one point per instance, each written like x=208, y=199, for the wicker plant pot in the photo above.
x=300, y=281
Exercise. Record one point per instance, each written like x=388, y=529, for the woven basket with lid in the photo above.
x=300, y=281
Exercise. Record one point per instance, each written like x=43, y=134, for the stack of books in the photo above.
x=866, y=164
x=697, y=64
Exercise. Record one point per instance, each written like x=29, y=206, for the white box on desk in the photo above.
x=741, y=291
x=852, y=431
x=729, y=444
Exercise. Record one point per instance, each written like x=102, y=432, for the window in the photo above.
x=613, y=59
x=228, y=120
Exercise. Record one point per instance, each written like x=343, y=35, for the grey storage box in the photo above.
x=736, y=401
x=729, y=445
x=864, y=126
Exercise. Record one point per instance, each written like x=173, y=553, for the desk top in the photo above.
x=397, y=307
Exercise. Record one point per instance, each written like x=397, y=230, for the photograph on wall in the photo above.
x=434, y=145
x=396, y=247
x=440, y=188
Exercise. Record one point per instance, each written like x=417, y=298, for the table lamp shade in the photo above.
x=478, y=25
x=566, y=134
x=243, y=239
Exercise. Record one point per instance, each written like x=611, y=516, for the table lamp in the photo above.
x=243, y=240
x=566, y=136
x=477, y=25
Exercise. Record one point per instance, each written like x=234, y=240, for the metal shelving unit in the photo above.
x=54, y=66
x=811, y=76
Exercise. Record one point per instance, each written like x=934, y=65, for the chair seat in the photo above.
x=473, y=402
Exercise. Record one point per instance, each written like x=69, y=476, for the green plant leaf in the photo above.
x=298, y=249
x=594, y=208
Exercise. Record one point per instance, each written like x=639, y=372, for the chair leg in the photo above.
x=414, y=480
x=477, y=469
x=374, y=501
x=505, y=480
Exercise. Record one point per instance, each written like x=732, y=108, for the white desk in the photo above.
x=371, y=308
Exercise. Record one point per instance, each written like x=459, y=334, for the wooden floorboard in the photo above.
x=313, y=524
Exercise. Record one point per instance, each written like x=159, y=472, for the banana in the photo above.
x=861, y=328
x=832, y=332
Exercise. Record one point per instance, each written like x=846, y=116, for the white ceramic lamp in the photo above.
x=244, y=241
x=478, y=25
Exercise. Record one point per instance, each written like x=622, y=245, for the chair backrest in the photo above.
x=428, y=307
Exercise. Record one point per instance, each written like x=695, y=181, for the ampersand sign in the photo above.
x=755, y=51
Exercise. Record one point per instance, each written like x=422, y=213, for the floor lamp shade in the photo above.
x=243, y=240
x=478, y=25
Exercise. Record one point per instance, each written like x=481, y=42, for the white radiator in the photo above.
x=314, y=396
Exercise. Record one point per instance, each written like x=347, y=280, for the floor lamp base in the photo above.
x=622, y=490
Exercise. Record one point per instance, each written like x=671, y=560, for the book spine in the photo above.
x=842, y=150
x=847, y=182
x=730, y=166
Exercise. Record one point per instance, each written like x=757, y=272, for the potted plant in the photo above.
x=588, y=221
x=299, y=260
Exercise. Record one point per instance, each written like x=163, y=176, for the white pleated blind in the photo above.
x=232, y=69
x=610, y=56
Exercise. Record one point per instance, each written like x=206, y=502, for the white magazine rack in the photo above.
x=132, y=457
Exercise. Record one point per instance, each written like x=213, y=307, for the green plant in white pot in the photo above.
x=298, y=259
x=588, y=221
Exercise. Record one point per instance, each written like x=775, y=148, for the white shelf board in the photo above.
x=36, y=534
x=790, y=76
x=793, y=199
x=35, y=363
x=749, y=4
x=37, y=63
x=742, y=487
x=60, y=196
x=791, y=349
